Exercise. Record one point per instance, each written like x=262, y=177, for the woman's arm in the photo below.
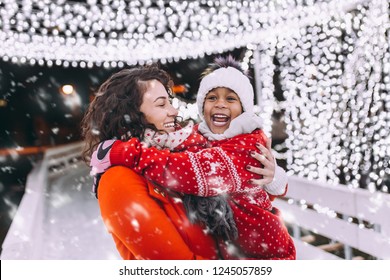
x=274, y=178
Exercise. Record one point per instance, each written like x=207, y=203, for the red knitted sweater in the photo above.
x=209, y=168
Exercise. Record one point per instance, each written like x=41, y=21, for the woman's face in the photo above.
x=157, y=108
x=220, y=107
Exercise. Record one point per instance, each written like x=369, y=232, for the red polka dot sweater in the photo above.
x=208, y=168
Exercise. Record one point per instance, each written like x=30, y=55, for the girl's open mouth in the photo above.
x=220, y=119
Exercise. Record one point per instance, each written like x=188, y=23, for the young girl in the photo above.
x=216, y=165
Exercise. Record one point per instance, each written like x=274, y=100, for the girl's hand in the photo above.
x=100, y=159
x=266, y=158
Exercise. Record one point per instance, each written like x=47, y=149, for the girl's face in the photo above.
x=157, y=108
x=220, y=107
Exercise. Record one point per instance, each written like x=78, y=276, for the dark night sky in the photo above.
x=34, y=113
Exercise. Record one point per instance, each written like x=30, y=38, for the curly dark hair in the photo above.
x=115, y=111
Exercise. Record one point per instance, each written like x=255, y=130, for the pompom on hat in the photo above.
x=228, y=77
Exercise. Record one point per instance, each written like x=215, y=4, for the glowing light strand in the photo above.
x=335, y=78
x=109, y=32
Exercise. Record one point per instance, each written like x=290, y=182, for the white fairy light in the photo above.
x=334, y=76
x=334, y=64
x=133, y=32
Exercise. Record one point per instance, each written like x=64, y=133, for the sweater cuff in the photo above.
x=116, y=153
x=278, y=184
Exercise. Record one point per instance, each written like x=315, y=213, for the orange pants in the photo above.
x=146, y=222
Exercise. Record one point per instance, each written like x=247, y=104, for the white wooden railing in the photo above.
x=23, y=239
x=335, y=221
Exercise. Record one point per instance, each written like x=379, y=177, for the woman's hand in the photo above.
x=266, y=158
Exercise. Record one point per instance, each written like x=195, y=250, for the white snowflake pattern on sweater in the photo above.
x=261, y=231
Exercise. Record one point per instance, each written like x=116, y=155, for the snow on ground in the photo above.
x=73, y=227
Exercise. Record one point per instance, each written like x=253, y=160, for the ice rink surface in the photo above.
x=73, y=228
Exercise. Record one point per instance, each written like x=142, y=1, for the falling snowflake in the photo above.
x=135, y=224
x=232, y=249
x=32, y=79
x=55, y=130
x=127, y=118
x=95, y=131
x=217, y=181
x=218, y=212
x=8, y=169
x=158, y=231
x=177, y=200
x=191, y=215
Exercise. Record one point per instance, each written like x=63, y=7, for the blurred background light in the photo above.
x=67, y=89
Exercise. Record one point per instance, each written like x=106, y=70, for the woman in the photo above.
x=146, y=221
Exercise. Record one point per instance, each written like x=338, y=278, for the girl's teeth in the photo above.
x=220, y=118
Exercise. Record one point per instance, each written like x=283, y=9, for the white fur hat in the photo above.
x=228, y=77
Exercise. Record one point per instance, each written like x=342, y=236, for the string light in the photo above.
x=105, y=32
x=332, y=56
x=334, y=77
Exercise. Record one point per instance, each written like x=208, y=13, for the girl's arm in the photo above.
x=208, y=172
